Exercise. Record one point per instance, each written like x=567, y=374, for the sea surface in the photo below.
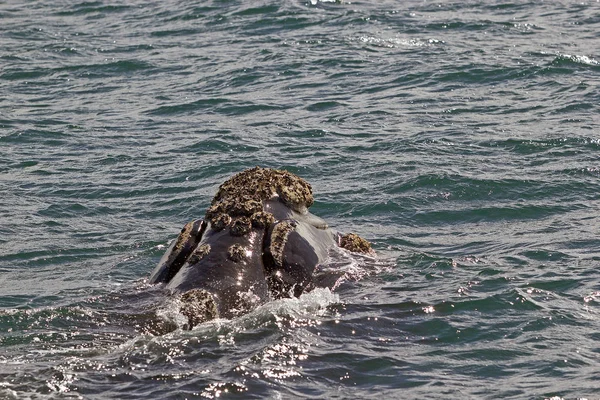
x=462, y=138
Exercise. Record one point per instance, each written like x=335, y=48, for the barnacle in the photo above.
x=239, y=200
x=199, y=253
x=240, y=226
x=355, y=243
x=236, y=253
x=220, y=221
x=198, y=306
x=260, y=184
x=186, y=232
x=278, y=240
x=262, y=219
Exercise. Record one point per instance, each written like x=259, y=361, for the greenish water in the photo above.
x=461, y=138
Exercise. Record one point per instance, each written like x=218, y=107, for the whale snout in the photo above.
x=256, y=242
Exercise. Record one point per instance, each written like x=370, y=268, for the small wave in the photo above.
x=311, y=304
x=398, y=42
x=577, y=59
x=93, y=7
x=343, y=266
x=219, y=105
x=317, y=2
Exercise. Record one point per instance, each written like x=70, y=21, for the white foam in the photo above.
x=398, y=42
x=311, y=303
x=169, y=311
x=580, y=59
x=308, y=305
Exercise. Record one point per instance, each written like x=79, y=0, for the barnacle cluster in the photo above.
x=184, y=236
x=278, y=240
x=240, y=226
x=262, y=219
x=199, y=253
x=198, y=306
x=236, y=253
x=355, y=243
x=238, y=203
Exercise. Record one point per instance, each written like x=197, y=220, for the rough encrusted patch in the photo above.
x=244, y=193
x=234, y=207
x=355, y=243
x=240, y=199
x=199, y=253
x=240, y=226
x=220, y=221
x=278, y=240
x=198, y=306
x=184, y=236
x=236, y=253
x=262, y=219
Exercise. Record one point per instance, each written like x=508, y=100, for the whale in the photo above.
x=256, y=242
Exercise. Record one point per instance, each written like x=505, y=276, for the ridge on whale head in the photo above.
x=256, y=242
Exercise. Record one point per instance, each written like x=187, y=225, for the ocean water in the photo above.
x=461, y=138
